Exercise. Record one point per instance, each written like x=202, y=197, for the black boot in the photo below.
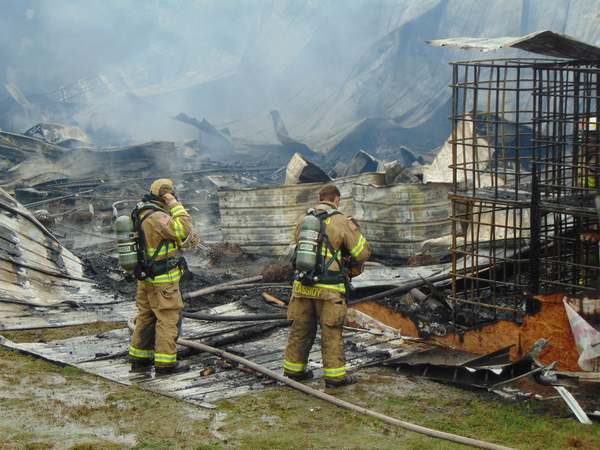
x=299, y=376
x=346, y=381
x=140, y=365
x=178, y=367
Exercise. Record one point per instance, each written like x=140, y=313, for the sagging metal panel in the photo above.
x=262, y=220
x=544, y=42
x=25, y=317
x=397, y=219
x=35, y=269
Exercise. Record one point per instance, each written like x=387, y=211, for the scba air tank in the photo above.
x=126, y=243
x=308, y=244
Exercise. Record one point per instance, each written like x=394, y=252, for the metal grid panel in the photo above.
x=493, y=148
x=567, y=178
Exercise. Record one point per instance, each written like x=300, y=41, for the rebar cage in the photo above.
x=567, y=178
x=492, y=143
x=526, y=174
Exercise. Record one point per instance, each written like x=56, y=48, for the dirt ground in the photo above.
x=47, y=406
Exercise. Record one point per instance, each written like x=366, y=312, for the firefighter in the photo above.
x=165, y=226
x=343, y=252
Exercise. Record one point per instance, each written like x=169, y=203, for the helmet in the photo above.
x=162, y=183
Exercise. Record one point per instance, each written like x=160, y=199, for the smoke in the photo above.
x=125, y=67
x=58, y=42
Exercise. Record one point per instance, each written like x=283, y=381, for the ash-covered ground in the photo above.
x=221, y=263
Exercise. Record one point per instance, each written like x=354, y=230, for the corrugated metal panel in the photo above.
x=104, y=357
x=35, y=269
x=545, y=42
x=397, y=219
x=262, y=220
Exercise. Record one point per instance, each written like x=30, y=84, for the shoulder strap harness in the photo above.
x=147, y=266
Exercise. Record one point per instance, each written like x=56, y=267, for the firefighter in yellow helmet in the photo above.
x=164, y=225
x=343, y=251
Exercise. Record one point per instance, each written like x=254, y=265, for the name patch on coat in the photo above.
x=307, y=291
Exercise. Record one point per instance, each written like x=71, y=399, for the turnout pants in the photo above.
x=157, y=323
x=306, y=312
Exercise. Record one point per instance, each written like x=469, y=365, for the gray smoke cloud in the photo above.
x=326, y=65
x=50, y=43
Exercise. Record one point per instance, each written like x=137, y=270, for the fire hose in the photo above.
x=336, y=401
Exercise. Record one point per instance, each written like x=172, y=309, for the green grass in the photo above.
x=52, y=334
x=45, y=406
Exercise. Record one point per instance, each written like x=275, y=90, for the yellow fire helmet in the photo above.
x=163, y=183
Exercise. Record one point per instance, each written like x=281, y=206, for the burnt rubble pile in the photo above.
x=473, y=251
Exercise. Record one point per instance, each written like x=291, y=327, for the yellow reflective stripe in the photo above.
x=140, y=353
x=359, y=247
x=165, y=358
x=293, y=367
x=341, y=287
x=170, y=277
x=165, y=250
x=313, y=290
x=178, y=228
x=178, y=210
x=336, y=372
x=327, y=254
x=591, y=181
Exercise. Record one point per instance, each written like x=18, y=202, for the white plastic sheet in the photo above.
x=587, y=339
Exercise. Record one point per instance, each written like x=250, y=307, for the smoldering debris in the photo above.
x=245, y=198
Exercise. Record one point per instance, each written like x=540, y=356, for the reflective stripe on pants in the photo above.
x=165, y=358
x=140, y=353
x=334, y=373
x=293, y=367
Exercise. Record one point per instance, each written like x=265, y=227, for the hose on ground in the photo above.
x=336, y=401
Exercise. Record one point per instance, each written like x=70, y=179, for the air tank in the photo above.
x=308, y=244
x=126, y=243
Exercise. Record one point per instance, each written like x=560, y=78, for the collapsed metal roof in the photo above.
x=546, y=42
x=42, y=284
x=35, y=269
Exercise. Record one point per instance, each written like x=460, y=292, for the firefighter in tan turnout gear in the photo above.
x=165, y=225
x=320, y=289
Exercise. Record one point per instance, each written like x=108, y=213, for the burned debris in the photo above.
x=485, y=267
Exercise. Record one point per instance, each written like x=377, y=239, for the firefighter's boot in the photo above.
x=140, y=365
x=346, y=381
x=178, y=367
x=300, y=376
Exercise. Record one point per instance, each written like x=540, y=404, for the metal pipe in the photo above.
x=236, y=318
x=55, y=199
x=216, y=287
x=233, y=287
x=402, y=289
